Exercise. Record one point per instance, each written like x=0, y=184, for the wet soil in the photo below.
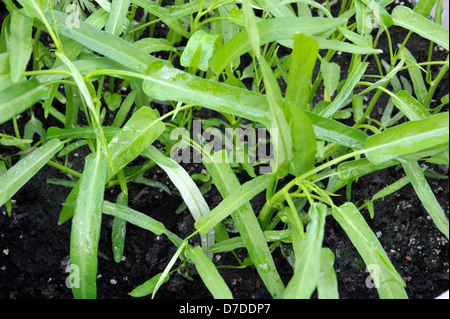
x=34, y=250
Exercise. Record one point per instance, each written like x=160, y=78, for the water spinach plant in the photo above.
x=268, y=66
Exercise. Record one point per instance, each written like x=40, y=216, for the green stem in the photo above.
x=434, y=85
x=266, y=212
x=64, y=169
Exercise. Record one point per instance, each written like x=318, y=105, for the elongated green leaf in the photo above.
x=117, y=16
x=36, y=8
x=5, y=72
x=426, y=195
x=19, y=97
x=103, y=42
x=336, y=132
x=388, y=282
x=209, y=274
x=80, y=132
x=86, y=95
x=167, y=83
x=86, y=224
x=336, y=45
x=304, y=57
x=151, y=45
x=327, y=286
x=8, y=203
x=331, y=73
x=271, y=30
x=237, y=242
x=409, y=106
x=424, y=7
x=124, y=109
x=233, y=202
x=164, y=14
x=203, y=40
x=18, y=175
x=399, y=184
x=68, y=207
x=165, y=273
x=307, y=265
x=353, y=78
x=133, y=217
x=189, y=191
x=247, y=225
x=415, y=74
x=20, y=45
x=147, y=287
x=275, y=8
x=408, y=19
x=357, y=168
x=139, y=132
x=72, y=48
x=281, y=134
x=408, y=138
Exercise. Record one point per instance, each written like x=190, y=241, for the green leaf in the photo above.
x=271, y=30
x=209, y=274
x=72, y=48
x=151, y=45
x=233, y=202
x=281, y=134
x=133, y=217
x=117, y=16
x=86, y=224
x=103, y=42
x=424, y=7
x=8, y=203
x=147, y=287
x=18, y=175
x=19, y=97
x=307, y=265
x=189, y=191
x=5, y=72
x=203, y=40
x=125, y=108
x=327, y=286
x=87, y=98
x=304, y=57
x=20, y=45
x=80, y=132
x=388, y=282
x=113, y=100
x=415, y=74
x=408, y=19
x=166, y=83
x=408, y=138
x=275, y=8
x=331, y=73
x=333, y=131
x=246, y=223
x=141, y=130
x=353, y=78
x=164, y=14
x=36, y=8
x=409, y=106
x=426, y=195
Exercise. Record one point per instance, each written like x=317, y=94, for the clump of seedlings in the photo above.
x=289, y=117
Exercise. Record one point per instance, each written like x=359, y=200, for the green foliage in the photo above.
x=262, y=65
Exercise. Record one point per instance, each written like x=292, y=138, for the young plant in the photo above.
x=232, y=57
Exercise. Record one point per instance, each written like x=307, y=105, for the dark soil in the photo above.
x=34, y=250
